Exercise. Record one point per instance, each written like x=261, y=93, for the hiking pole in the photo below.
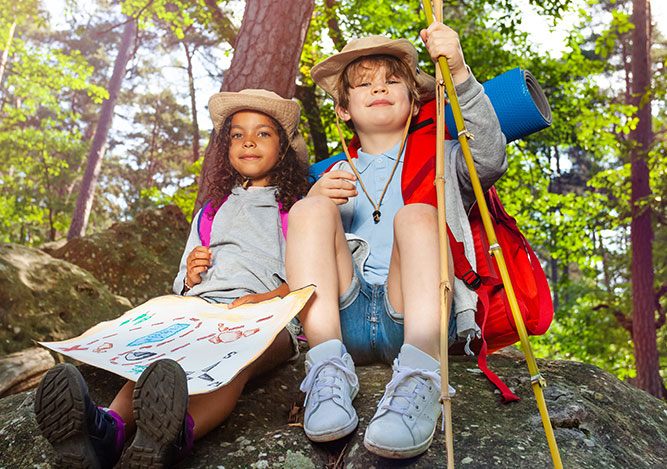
x=445, y=280
x=536, y=379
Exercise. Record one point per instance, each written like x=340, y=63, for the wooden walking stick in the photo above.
x=536, y=379
x=446, y=293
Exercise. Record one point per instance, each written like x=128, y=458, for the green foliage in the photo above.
x=40, y=141
x=607, y=41
x=184, y=197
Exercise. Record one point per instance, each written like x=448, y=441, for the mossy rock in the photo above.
x=44, y=299
x=599, y=422
x=137, y=259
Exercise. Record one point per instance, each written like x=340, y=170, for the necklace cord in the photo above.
x=404, y=139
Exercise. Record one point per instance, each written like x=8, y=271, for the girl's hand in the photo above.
x=443, y=41
x=281, y=291
x=338, y=185
x=198, y=261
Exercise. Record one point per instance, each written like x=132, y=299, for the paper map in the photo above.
x=211, y=342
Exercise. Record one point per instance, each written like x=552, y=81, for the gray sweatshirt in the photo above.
x=248, y=247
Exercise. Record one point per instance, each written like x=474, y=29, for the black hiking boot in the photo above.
x=82, y=435
x=164, y=429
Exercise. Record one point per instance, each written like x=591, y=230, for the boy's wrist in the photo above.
x=461, y=75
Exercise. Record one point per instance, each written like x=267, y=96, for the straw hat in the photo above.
x=285, y=111
x=326, y=73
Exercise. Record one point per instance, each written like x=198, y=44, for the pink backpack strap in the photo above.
x=283, y=219
x=205, y=221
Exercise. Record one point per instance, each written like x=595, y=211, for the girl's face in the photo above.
x=254, y=146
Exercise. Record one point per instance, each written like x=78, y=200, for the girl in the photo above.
x=261, y=171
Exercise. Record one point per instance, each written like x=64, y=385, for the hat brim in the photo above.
x=326, y=73
x=285, y=111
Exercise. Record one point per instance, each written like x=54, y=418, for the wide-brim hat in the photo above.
x=327, y=72
x=285, y=111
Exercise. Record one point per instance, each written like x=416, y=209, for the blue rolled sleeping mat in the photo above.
x=519, y=102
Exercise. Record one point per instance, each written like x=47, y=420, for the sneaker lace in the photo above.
x=323, y=379
x=397, y=387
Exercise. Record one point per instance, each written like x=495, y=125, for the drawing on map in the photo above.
x=211, y=342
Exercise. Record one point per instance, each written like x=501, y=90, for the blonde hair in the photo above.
x=393, y=66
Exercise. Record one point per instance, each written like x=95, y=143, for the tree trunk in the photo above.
x=266, y=55
x=335, y=33
x=84, y=201
x=193, y=103
x=5, y=52
x=311, y=111
x=643, y=296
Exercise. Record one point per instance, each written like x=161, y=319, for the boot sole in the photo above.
x=160, y=404
x=60, y=411
x=398, y=453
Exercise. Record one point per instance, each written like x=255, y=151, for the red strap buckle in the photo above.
x=472, y=279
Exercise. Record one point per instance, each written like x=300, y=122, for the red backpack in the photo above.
x=493, y=316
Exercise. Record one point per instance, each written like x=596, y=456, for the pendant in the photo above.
x=376, y=216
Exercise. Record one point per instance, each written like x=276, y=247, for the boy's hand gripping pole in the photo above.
x=537, y=382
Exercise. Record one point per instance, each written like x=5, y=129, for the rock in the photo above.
x=599, y=422
x=42, y=298
x=136, y=259
x=23, y=370
x=52, y=246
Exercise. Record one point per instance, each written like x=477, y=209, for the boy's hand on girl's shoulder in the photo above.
x=338, y=185
x=198, y=261
x=443, y=41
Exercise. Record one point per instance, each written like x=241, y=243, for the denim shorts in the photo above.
x=372, y=330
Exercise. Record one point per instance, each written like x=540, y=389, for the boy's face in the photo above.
x=377, y=103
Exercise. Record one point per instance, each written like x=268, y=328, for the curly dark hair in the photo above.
x=290, y=175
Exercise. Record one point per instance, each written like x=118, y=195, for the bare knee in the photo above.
x=416, y=218
x=316, y=207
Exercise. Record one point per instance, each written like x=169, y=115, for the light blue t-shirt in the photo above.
x=374, y=171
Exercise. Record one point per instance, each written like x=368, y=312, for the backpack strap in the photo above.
x=507, y=395
x=205, y=222
x=283, y=219
x=462, y=267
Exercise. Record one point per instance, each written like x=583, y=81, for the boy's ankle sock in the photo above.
x=165, y=431
x=82, y=435
x=405, y=421
x=330, y=386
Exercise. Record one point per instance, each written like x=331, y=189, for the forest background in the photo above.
x=103, y=115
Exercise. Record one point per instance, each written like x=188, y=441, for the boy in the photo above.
x=382, y=298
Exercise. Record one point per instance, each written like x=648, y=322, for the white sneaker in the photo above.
x=405, y=421
x=330, y=386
